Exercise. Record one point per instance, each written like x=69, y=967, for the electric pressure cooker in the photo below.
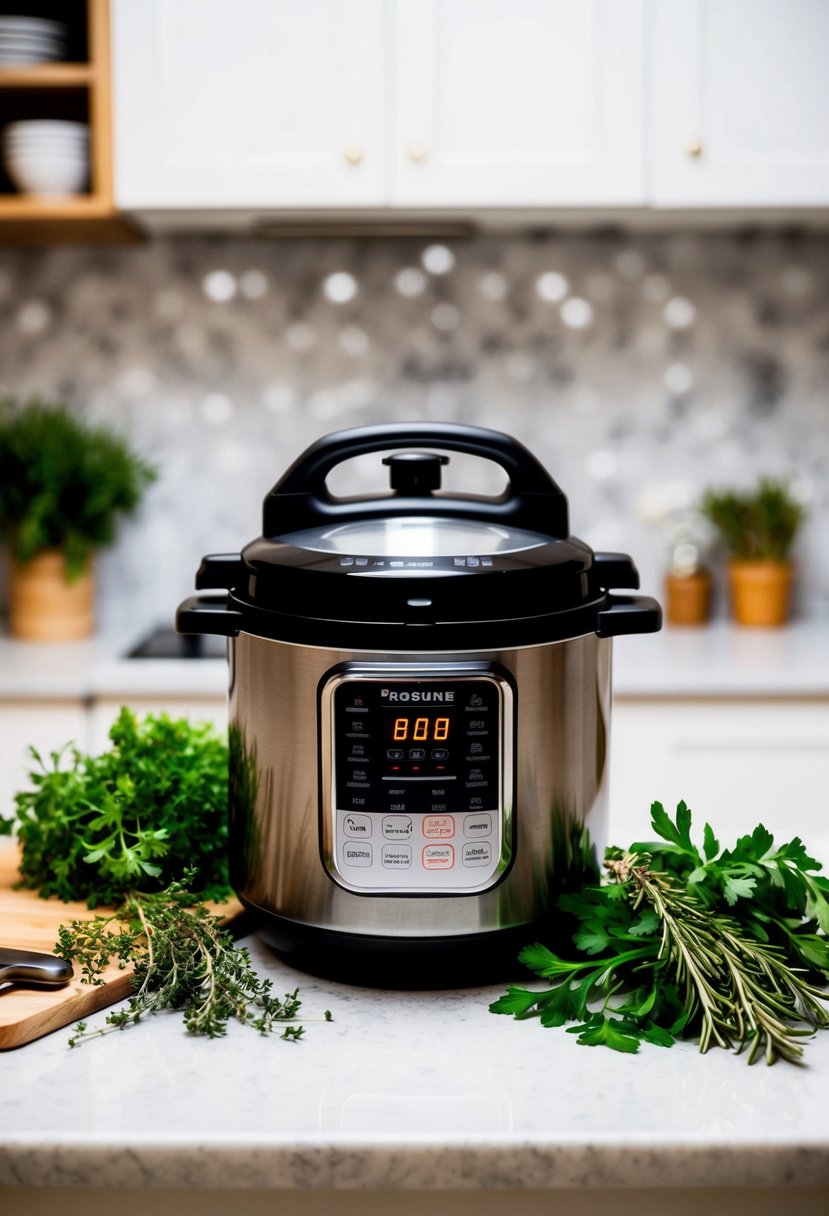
x=419, y=708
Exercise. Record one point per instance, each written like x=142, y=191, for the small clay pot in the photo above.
x=44, y=606
x=760, y=592
x=688, y=598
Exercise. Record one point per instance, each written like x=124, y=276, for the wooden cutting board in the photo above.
x=31, y=923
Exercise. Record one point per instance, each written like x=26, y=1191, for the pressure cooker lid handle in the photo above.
x=301, y=499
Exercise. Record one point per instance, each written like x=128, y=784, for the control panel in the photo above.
x=417, y=778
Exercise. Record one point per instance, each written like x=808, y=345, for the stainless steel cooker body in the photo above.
x=419, y=706
x=554, y=779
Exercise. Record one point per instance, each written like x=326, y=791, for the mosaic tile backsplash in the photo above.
x=639, y=369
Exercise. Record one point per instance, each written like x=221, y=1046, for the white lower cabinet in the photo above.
x=46, y=725
x=105, y=710
x=735, y=763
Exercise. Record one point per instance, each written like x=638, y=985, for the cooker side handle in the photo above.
x=301, y=499
x=625, y=614
x=208, y=614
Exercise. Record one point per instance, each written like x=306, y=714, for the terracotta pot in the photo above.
x=760, y=592
x=44, y=606
x=688, y=598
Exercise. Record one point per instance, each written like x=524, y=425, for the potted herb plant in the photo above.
x=63, y=485
x=757, y=528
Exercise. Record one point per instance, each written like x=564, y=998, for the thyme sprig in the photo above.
x=182, y=960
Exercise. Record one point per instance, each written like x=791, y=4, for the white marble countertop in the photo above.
x=422, y=1090
x=717, y=661
x=722, y=660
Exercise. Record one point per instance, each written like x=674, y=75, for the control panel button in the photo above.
x=357, y=826
x=440, y=753
x=397, y=857
x=395, y=753
x=397, y=827
x=477, y=825
x=417, y=753
x=438, y=827
x=357, y=854
x=438, y=857
x=477, y=854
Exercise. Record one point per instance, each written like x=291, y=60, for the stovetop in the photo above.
x=165, y=643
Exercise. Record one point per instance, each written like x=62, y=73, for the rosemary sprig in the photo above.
x=182, y=960
x=742, y=989
x=728, y=945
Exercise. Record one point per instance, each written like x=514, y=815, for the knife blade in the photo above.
x=31, y=967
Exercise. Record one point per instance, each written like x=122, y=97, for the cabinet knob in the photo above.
x=353, y=154
x=693, y=145
x=418, y=151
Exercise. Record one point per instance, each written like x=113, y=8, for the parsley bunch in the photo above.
x=725, y=945
x=134, y=818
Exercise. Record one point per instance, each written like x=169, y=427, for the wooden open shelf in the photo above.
x=82, y=91
x=48, y=76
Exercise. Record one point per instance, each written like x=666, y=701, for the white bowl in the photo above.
x=32, y=25
x=9, y=43
x=62, y=137
x=19, y=37
x=40, y=126
x=18, y=59
x=71, y=156
x=48, y=178
x=44, y=145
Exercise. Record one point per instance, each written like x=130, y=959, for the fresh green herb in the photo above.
x=758, y=525
x=142, y=827
x=63, y=482
x=729, y=946
x=183, y=960
x=133, y=818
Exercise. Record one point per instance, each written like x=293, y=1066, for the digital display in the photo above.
x=416, y=800
x=418, y=728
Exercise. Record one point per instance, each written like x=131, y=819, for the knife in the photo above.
x=29, y=967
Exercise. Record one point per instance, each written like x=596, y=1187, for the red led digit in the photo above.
x=441, y=730
x=401, y=729
x=421, y=730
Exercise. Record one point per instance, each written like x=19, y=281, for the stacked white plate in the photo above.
x=47, y=158
x=30, y=40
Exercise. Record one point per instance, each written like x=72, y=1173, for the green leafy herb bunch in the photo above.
x=756, y=525
x=728, y=946
x=63, y=482
x=135, y=817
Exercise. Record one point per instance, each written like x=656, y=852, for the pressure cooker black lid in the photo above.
x=464, y=571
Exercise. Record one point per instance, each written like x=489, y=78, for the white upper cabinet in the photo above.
x=255, y=103
x=518, y=102
x=469, y=105
x=740, y=104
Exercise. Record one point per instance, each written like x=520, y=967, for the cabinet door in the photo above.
x=258, y=103
x=740, y=107
x=47, y=725
x=518, y=102
x=735, y=763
